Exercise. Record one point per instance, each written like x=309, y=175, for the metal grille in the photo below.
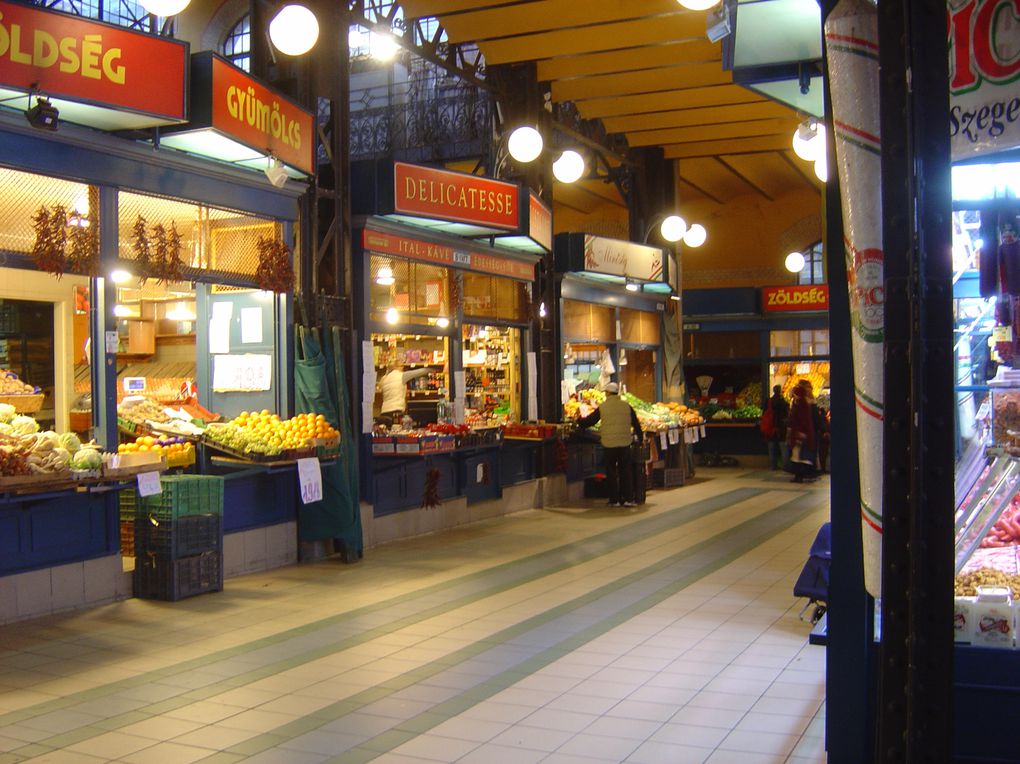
x=237, y=43
x=494, y=297
x=419, y=292
x=212, y=239
x=24, y=193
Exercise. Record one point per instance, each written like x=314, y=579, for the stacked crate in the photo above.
x=179, y=538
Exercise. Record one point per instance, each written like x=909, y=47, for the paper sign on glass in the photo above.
x=148, y=484
x=219, y=336
x=242, y=373
x=251, y=326
x=310, y=480
x=112, y=342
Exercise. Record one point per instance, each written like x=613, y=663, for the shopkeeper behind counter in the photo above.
x=394, y=391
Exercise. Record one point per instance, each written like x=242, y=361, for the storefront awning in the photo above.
x=237, y=119
x=94, y=74
x=637, y=267
x=385, y=236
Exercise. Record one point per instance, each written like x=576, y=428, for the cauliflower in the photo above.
x=7, y=412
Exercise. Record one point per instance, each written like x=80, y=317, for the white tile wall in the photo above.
x=259, y=549
x=64, y=587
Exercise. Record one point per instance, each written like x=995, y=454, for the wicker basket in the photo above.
x=25, y=403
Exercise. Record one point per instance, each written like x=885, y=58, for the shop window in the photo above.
x=787, y=374
x=639, y=327
x=211, y=239
x=798, y=343
x=25, y=194
x=638, y=372
x=588, y=321
x=492, y=374
x=493, y=297
x=814, y=266
x=418, y=292
x=721, y=344
x=237, y=43
x=424, y=361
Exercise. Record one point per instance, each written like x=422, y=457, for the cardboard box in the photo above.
x=383, y=445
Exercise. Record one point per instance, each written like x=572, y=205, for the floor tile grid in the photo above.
x=290, y=648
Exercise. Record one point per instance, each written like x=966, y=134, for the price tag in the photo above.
x=148, y=484
x=674, y=436
x=662, y=440
x=703, y=431
x=310, y=480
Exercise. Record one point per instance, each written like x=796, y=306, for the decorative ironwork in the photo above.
x=449, y=121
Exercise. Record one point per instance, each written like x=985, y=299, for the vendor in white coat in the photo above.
x=394, y=391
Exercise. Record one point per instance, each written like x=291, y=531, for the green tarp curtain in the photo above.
x=320, y=386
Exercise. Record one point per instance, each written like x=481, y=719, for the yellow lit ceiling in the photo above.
x=648, y=71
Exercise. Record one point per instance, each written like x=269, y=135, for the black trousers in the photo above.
x=618, y=474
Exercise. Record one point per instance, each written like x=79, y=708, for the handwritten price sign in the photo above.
x=148, y=484
x=309, y=480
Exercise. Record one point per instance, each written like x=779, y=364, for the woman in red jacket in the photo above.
x=800, y=433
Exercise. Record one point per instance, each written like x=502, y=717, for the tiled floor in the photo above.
x=666, y=633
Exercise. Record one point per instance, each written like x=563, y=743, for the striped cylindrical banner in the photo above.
x=851, y=40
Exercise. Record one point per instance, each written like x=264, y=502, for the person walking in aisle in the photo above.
x=801, y=433
x=779, y=451
x=618, y=421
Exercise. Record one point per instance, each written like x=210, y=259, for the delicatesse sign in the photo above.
x=454, y=196
x=66, y=56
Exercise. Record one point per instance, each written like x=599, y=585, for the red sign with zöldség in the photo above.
x=806, y=297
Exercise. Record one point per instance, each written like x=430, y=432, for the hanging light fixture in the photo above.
x=384, y=277
x=698, y=5
x=525, y=144
x=809, y=140
x=795, y=262
x=119, y=276
x=294, y=30
x=442, y=322
x=382, y=46
x=164, y=8
x=392, y=316
x=633, y=286
x=673, y=228
x=822, y=168
x=569, y=167
x=695, y=236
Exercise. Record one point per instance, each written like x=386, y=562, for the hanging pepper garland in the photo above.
x=49, y=250
x=173, y=267
x=143, y=250
x=431, y=497
x=275, y=272
x=84, y=255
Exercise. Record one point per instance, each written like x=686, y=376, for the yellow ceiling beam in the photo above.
x=725, y=147
x=647, y=103
x=567, y=42
x=649, y=81
x=547, y=15
x=419, y=8
x=631, y=59
x=700, y=116
x=705, y=133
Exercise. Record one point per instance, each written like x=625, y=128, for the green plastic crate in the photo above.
x=128, y=504
x=184, y=495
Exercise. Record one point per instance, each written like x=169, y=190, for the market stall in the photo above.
x=134, y=312
x=446, y=270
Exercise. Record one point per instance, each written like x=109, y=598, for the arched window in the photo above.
x=814, y=267
x=125, y=13
x=237, y=43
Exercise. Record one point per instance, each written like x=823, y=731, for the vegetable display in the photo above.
x=11, y=385
x=265, y=434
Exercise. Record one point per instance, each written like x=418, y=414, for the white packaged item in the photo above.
x=993, y=617
x=963, y=619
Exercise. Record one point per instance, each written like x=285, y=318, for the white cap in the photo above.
x=611, y=387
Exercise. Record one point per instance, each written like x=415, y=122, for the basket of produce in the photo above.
x=179, y=452
x=261, y=436
x=34, y=460
x=22, y=397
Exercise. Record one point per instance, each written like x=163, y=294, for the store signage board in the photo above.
x=540, y=223
x=440, y=254
x=446, y=195
x=616, y=257
x=795, y=298
x=68, y=57
x=984, y=77
x=242, y=373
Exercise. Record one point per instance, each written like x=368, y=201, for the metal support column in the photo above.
x=915, y=714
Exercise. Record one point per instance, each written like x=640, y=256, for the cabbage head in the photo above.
x=87, y=459
x=24, y=425
x=70, y=441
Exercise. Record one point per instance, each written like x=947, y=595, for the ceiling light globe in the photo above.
x=382, y=46
x=525, y=144
x=698, y=5
x=294, y=30
x=695, y=236
x=120, y=276
x=392, y=316
x=795, y=262
x=822, y=169
x=673, y=228
x=809, y=140
x=569, y=167
x=164, y=7
x=442, y=322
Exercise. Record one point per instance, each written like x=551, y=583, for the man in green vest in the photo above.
x=620, y=428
